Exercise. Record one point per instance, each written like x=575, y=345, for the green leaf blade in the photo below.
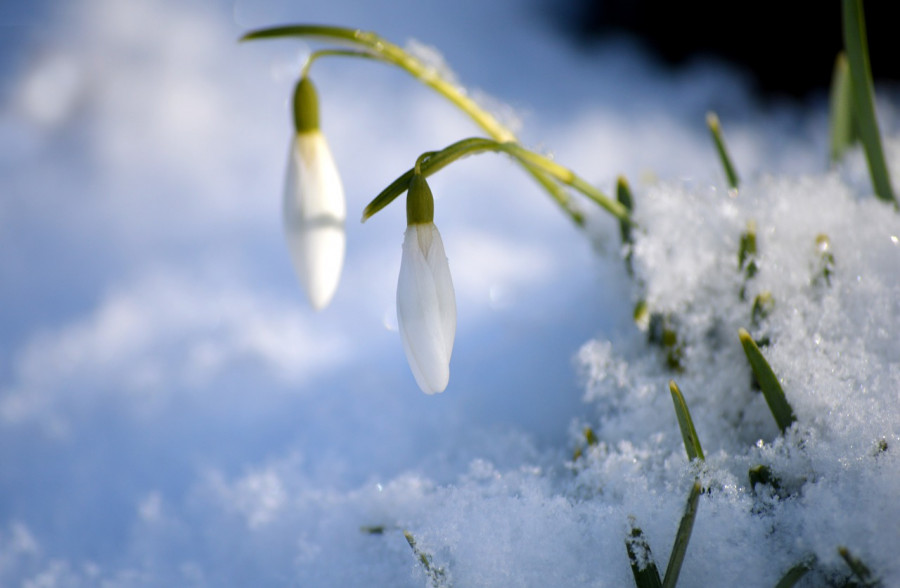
x=326, y=32
x=639, y=553
x=712, y=121
x=856, y=45
x=437, y=575
x=768, y=382
x=387, y=195
x=793, y=575
x=686, y=424
x=682, y=537
x=841, y=117
x=859, y=569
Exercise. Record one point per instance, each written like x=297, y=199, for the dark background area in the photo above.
x=788, y=47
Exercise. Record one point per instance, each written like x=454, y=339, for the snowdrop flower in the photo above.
x=426, y=304
x=314, y=207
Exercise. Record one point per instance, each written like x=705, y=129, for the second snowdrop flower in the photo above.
x=314, y=206
x=426, y=303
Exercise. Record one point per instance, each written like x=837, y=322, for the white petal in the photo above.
x=314, y=215
x=443, y=283
x=426, y=307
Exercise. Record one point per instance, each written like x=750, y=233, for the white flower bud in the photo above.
x=426, y=307
x=314, y=215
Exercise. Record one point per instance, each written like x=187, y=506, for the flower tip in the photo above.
x=320, y=298
x=433, y=383
x=317, y=254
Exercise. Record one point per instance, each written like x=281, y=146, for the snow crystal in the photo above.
x=830, y=338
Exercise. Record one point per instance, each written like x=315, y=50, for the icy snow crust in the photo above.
x=172, y=414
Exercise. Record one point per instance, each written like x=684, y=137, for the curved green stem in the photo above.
x=335, y=53
x=432, y=162
x=378, y=48
x=393, y=54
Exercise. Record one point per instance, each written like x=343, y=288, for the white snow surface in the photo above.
x=173, y=414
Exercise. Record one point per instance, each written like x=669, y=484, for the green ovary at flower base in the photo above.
x=426, y=303
x=314, y=205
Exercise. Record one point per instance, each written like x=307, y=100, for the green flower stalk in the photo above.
x=367, y=44
x=314, y=206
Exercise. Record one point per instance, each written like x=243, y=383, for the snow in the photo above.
x=172, y=412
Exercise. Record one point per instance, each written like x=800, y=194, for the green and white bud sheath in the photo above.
x=314, y=206
x=426, y=303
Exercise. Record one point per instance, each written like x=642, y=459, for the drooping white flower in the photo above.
x=314, y=206
x=426, y=303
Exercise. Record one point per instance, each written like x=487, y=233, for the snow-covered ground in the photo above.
x=173, y=414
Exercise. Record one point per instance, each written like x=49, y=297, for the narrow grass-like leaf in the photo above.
x=688, y=433
x=793, y=575
x=763, y=305
x=623, y=195
x=826, y=260
x=373, y=529
x=842, y=119
x=860, y=570
x=682, y=537
x=712, y=121
x=437, y=575
x=388, y=195
x=646, y=574
x=325, y=32
x=662, y=331
x=747, y=250
x=747, y=256
x=856, y=45
x=641, y=315
x=768, y=382
x=590, y=438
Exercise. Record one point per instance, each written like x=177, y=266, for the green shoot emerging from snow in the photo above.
x=712, y=121
x=857, y=49
x=646, y=575
x=435, y=574
x=844, y=131
x=768, y=382
x=686, y=424
x=682, y=537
